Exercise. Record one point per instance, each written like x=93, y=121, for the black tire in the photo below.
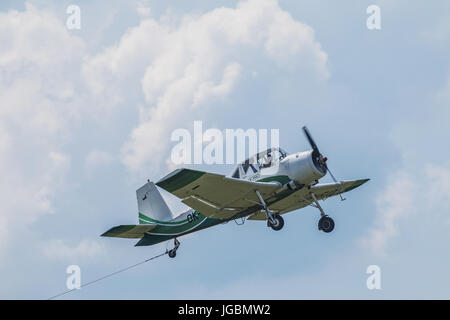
x=172, y=253
x=326, y=224
x=279, y=223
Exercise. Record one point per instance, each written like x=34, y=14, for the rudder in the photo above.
x=151, y=205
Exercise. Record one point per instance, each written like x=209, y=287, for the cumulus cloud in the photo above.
x=38, y=102
x=393, y=204
x=60, y=250
x=420, y=187
x=49, y=82
x=410, y=193
x=37, y=57
x=27, y=194
x=143, y=9
x=183, y=65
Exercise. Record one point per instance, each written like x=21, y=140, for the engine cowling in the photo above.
x=305, y=167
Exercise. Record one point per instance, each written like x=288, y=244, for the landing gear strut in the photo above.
x=173, y=252
x=326, y=224
x=275, y=221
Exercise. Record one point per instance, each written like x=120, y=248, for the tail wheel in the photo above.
x=326, y=224
x=277, y=224
x=172, y=253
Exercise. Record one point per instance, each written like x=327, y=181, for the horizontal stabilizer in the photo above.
x=130, y=231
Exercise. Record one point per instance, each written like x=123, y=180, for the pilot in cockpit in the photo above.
x=268, y=161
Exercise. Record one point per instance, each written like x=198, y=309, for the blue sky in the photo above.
x=86, y=117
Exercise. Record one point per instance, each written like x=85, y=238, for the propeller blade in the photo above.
x=323, y=160
x=310, y=139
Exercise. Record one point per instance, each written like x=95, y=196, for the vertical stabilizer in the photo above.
x=151, y=205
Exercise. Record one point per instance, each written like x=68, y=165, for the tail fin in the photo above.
x=151, y=205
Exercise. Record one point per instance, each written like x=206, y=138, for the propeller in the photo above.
x=317, y=156
x=310, y=139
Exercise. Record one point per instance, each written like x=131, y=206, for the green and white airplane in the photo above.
x=263, y=187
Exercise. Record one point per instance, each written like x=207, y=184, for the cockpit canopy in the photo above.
x=265, y=159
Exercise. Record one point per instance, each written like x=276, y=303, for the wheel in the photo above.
x=326, y=224
x=278, y=224
x=172, y=253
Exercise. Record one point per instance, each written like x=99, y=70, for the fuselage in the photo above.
x=192, y=220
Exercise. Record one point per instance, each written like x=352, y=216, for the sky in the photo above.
x=86, y=117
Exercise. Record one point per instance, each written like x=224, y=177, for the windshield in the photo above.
x=265, y=159
x=270, y=157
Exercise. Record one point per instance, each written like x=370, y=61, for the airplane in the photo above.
x=263, y=187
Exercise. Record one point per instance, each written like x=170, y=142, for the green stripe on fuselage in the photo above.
x=143, y=218
x=281, y=179
x=163, y=233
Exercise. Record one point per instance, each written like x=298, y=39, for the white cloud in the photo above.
x=27, y=194
x=185, y=64
x=143, y=9
x=410, y=194
x=393, y=204
x=39, y=61
x=49, y=83
x=437, y=191
x=58, y=249
x=421, y=186
x=179, y=68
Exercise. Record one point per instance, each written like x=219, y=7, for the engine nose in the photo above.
x=319, y=161
x=305, y=167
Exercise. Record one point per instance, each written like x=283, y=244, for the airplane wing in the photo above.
x=302, y=197
x=326, y=190
x=130, y=231
x=215, y=195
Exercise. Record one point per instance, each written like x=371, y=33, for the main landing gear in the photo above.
x=326, y=224
x=277, y=224
x=173, y=252
x=275, y=221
